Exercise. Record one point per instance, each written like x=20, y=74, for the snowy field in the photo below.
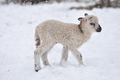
x=101, y=54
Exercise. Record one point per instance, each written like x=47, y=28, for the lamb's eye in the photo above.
x=93, y=24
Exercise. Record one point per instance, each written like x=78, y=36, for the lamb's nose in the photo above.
x=99, y=29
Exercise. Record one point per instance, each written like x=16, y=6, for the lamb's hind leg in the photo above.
x=38, y=52
x=37, y=60
x=45, y=59
x=64, y=54
x=77, y=55
x=44, y=56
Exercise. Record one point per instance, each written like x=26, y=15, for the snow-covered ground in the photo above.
x=101, y=54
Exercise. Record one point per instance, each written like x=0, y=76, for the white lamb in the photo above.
x=71, y=36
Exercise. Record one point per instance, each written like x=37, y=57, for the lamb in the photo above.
x=71, y=36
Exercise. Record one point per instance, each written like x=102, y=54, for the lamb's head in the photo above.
x=91, y=22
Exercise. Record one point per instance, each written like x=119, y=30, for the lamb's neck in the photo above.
x=87, y=34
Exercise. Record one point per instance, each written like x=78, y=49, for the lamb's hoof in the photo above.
x=36, y=70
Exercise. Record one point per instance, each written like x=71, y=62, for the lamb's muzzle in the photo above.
x=99, y=29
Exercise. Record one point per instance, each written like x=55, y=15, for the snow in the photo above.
x=101, y=54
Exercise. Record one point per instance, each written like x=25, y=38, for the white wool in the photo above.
x=52, y=31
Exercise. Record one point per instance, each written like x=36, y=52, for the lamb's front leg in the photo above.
x=64, y=54
x=77, y=55
x=37, y=60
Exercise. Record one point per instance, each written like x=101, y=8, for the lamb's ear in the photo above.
x=80, y=18
x=85, y=14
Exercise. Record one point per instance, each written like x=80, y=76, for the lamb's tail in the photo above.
x=37, y=39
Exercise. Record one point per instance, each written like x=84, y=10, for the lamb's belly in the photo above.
x=70, y=43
